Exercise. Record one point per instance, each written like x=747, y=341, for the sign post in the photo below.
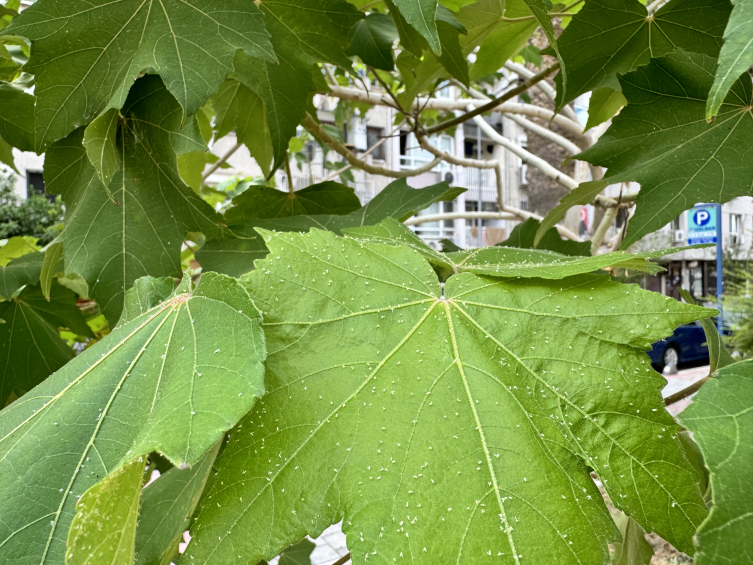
x=705, y=226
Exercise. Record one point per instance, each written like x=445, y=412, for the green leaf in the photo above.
x=371, y=39
x=736, y=55
x=236, y=255
x=241, y=110
x=540, y=10
x=30, y=345
x=6, y=154
x=16, y=117
x=718, y=355
x=410, y=39
x=86, y=55
x=298, y=554
x=266, y=202
x=191, y=167
x=442, y=409
x=452, y=58
x=101, y=145
x=165, y=381
x=422, y=15
x=721, y=419
x=135, y=226
x=501, y=261
x=147, y=293
x=524, y=234
x=661, y=140
x=19, y=272
x=50, y=267
x=17, y=246
x=166, y=508
x=300, y=43
x=604, y=104
x=104, y=527
x=611, y=37
x=634, y=549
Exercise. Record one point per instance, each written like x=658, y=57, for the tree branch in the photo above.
x=492, y=104
x=601, y=231
x=684, y=393
x=530, y=158
x=459, y=161
x=222, y=160
x=447, y=105
x=317, y=131
x=543, y=86
x=546, y=133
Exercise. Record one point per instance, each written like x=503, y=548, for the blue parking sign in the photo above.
x=702, y=225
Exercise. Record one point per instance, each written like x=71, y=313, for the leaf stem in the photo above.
x=291, y=190
x=684, y=393
x=496, y=101
x=343, y=560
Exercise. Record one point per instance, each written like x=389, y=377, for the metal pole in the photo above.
x=479, y=239
x=719, y=246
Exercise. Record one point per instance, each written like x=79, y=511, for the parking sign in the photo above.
x=702, y=225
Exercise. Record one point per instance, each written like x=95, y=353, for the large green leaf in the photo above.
x=505, y=261
x=452, y=57
x=166, y=508
x=634, y=549
x=304, y=32
x=86, y=54
x=16, y=117
x=448, y=424
x=662, y=140
x=240, y=109
x=164, y=381
x=540, y=10
x=372, y=38
x=610, y=37
x=19, y=272
x=236, y=255
x=328, y=197
x=31, y=348
x=721, y=419
x=104, y=528
x=736, y=55
x=422, y=15
x=135, y=226
x=605, y=102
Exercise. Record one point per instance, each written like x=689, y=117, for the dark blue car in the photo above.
x=688, y=343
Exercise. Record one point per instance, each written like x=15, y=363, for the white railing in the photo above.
x=473, y=178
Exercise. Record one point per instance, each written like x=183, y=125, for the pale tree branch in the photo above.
x=543, y=86
x=558, y=176
x=459, y=161
x=364, y=154
x=601, y=230
x=448, y=105
x=546, y=133
x=317, y=131
x=492, y=104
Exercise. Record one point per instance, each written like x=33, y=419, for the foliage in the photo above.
x=738, y=306
x=35, y=216
x=721, y=419
x=446, y=406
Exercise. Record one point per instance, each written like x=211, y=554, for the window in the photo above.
x=735, y=228
x=676, y=224
x=412, y=155
x=35, y=185
x=374, y=136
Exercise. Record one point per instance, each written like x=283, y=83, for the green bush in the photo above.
x=36, y=216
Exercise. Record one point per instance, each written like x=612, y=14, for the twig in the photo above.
x=684, y=393
x=601, y=230
x=546, y=133
x=317, y=131
x=558, y=176
x=222, y=160
x=343, y=560
x=459, y=161
x=496, y=101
